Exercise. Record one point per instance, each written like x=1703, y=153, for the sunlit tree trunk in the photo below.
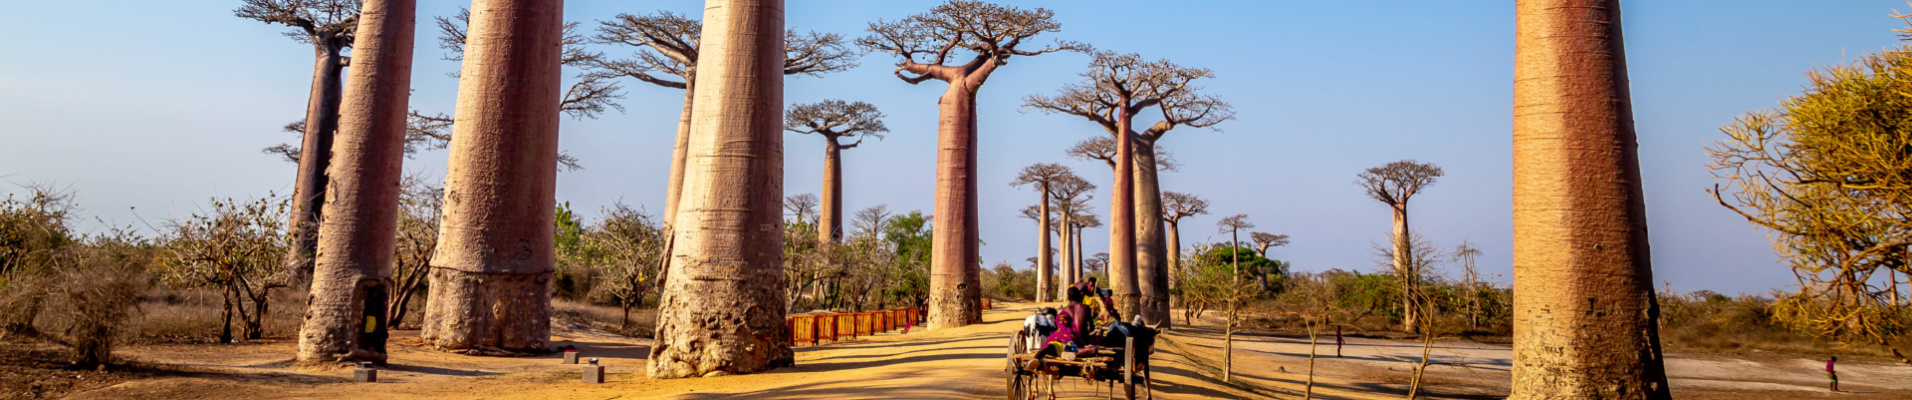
x=830, y=218
x=1065, y=270
x=1404, y=268
x=1151, y=247
x=1044, y=255
x=346, y=316
x=491, y=274
x=308, y=188
x=1585, y=317
x=679, y=153
x=955, y=296
x=723, y=307
x=1122, y=272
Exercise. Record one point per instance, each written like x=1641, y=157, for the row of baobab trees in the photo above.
x=1584, y=317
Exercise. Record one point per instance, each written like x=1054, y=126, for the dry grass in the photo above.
x=193, y=316
x=643, y=323
x=1716, y=324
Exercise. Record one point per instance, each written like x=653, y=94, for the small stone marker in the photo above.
x=570, y=356
x=594, y=373
x=365, y=373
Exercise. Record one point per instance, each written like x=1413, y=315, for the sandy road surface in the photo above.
x=962, y=362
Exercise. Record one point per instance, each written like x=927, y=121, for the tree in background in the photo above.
x=1071, y=196
x=420, y=206
x=345, y=315
x=327, y=25
x=992, y=34
x=1043, y=176
x=1393, y=184
x=1587, y=325
x=724, y=299
x=1175, y=207
x=667, y=47
x=1825, y=173
x=33, y=231
x=1119, y=87
x=835, y=121
x=1263, y=241
x=802, y=207
x=1464, y=255
x=233, y=248
x=1233, y=226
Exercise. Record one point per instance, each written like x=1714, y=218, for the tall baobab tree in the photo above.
x=346, y=315
x=992, y=34
x=1043, y=176
x=1233, y=226
x=835, y=121
x=1393, y=184
x=1070, y=195
x=490, y=285
x=1117, y=88
x=1465, y=254
x=1175, y=206
x=1585, y=317
x=723, y=306
x=1263, y=241
x=327, y=25
x=667, y=46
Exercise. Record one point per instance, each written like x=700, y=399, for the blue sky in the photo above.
x=147, y=109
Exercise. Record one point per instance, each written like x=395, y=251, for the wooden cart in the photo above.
x=1114, y=366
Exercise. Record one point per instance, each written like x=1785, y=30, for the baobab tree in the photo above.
x=1070, y=194
x=1117, y=88
x=490, y=285
x=1393, y=184
x=835, y=121
x=1043, y=176
x=327, y=25
x=667, y=46
x=1175, y=206
x=1263, y=241
x=346, y=315
x=1585, y=317
x=723, y=307
x=992, y=34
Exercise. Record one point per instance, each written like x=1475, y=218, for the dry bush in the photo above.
x=96, y=291
x=1708, y=322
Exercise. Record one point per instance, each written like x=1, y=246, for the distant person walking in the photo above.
x=1337, y=342
x=1830, y=374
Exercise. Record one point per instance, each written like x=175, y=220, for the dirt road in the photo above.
x=959, y=363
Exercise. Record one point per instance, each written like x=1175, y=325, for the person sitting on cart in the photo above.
x=1072, y=323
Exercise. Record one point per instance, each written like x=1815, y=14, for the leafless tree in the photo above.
x=1393, y=184
x=932, y=45
x=1263, y=241
x=803, y=207
x=1465, y=254
x=835, y=121
x=1043, y=176
x=1117, y=88
x=871, y=220
x=666, y=48
x=1232, y=225
x=1175, y=206
x=329, y=27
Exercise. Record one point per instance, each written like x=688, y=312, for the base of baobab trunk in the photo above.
x=950, y=310
x=488, y=312
x=1154, y=310
x=336, y=324
x=717, y=332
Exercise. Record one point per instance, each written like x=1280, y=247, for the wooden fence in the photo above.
x=818, y=329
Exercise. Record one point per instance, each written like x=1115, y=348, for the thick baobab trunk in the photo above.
x=1122, y=272
x=680, y=152
x=955, y=287
x=1404, y=268
x=1043, y=252
x=491, y=273
x=1585, y=317
x=346, y=317
x=1174, y=239
x=315, y=152
x=830, y=218
x=1080, y=275
x=723, y=308
x=1151, y=248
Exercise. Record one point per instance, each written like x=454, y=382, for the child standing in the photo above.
x=1830, y=374
x=1337, y=342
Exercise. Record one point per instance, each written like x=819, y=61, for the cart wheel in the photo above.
x=1128, y=369
x=1017, y=385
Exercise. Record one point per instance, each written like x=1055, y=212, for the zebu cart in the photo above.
x=1031, y=375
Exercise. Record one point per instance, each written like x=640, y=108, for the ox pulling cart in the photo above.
x=1032, y=374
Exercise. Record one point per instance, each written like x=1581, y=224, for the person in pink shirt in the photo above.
x=1831, y=374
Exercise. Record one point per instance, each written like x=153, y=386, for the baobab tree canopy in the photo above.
x=990, y=33
x=1398, y=181
x=1118, y=85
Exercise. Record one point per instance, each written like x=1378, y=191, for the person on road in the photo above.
x=1337, y=342
x=1830, y=374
